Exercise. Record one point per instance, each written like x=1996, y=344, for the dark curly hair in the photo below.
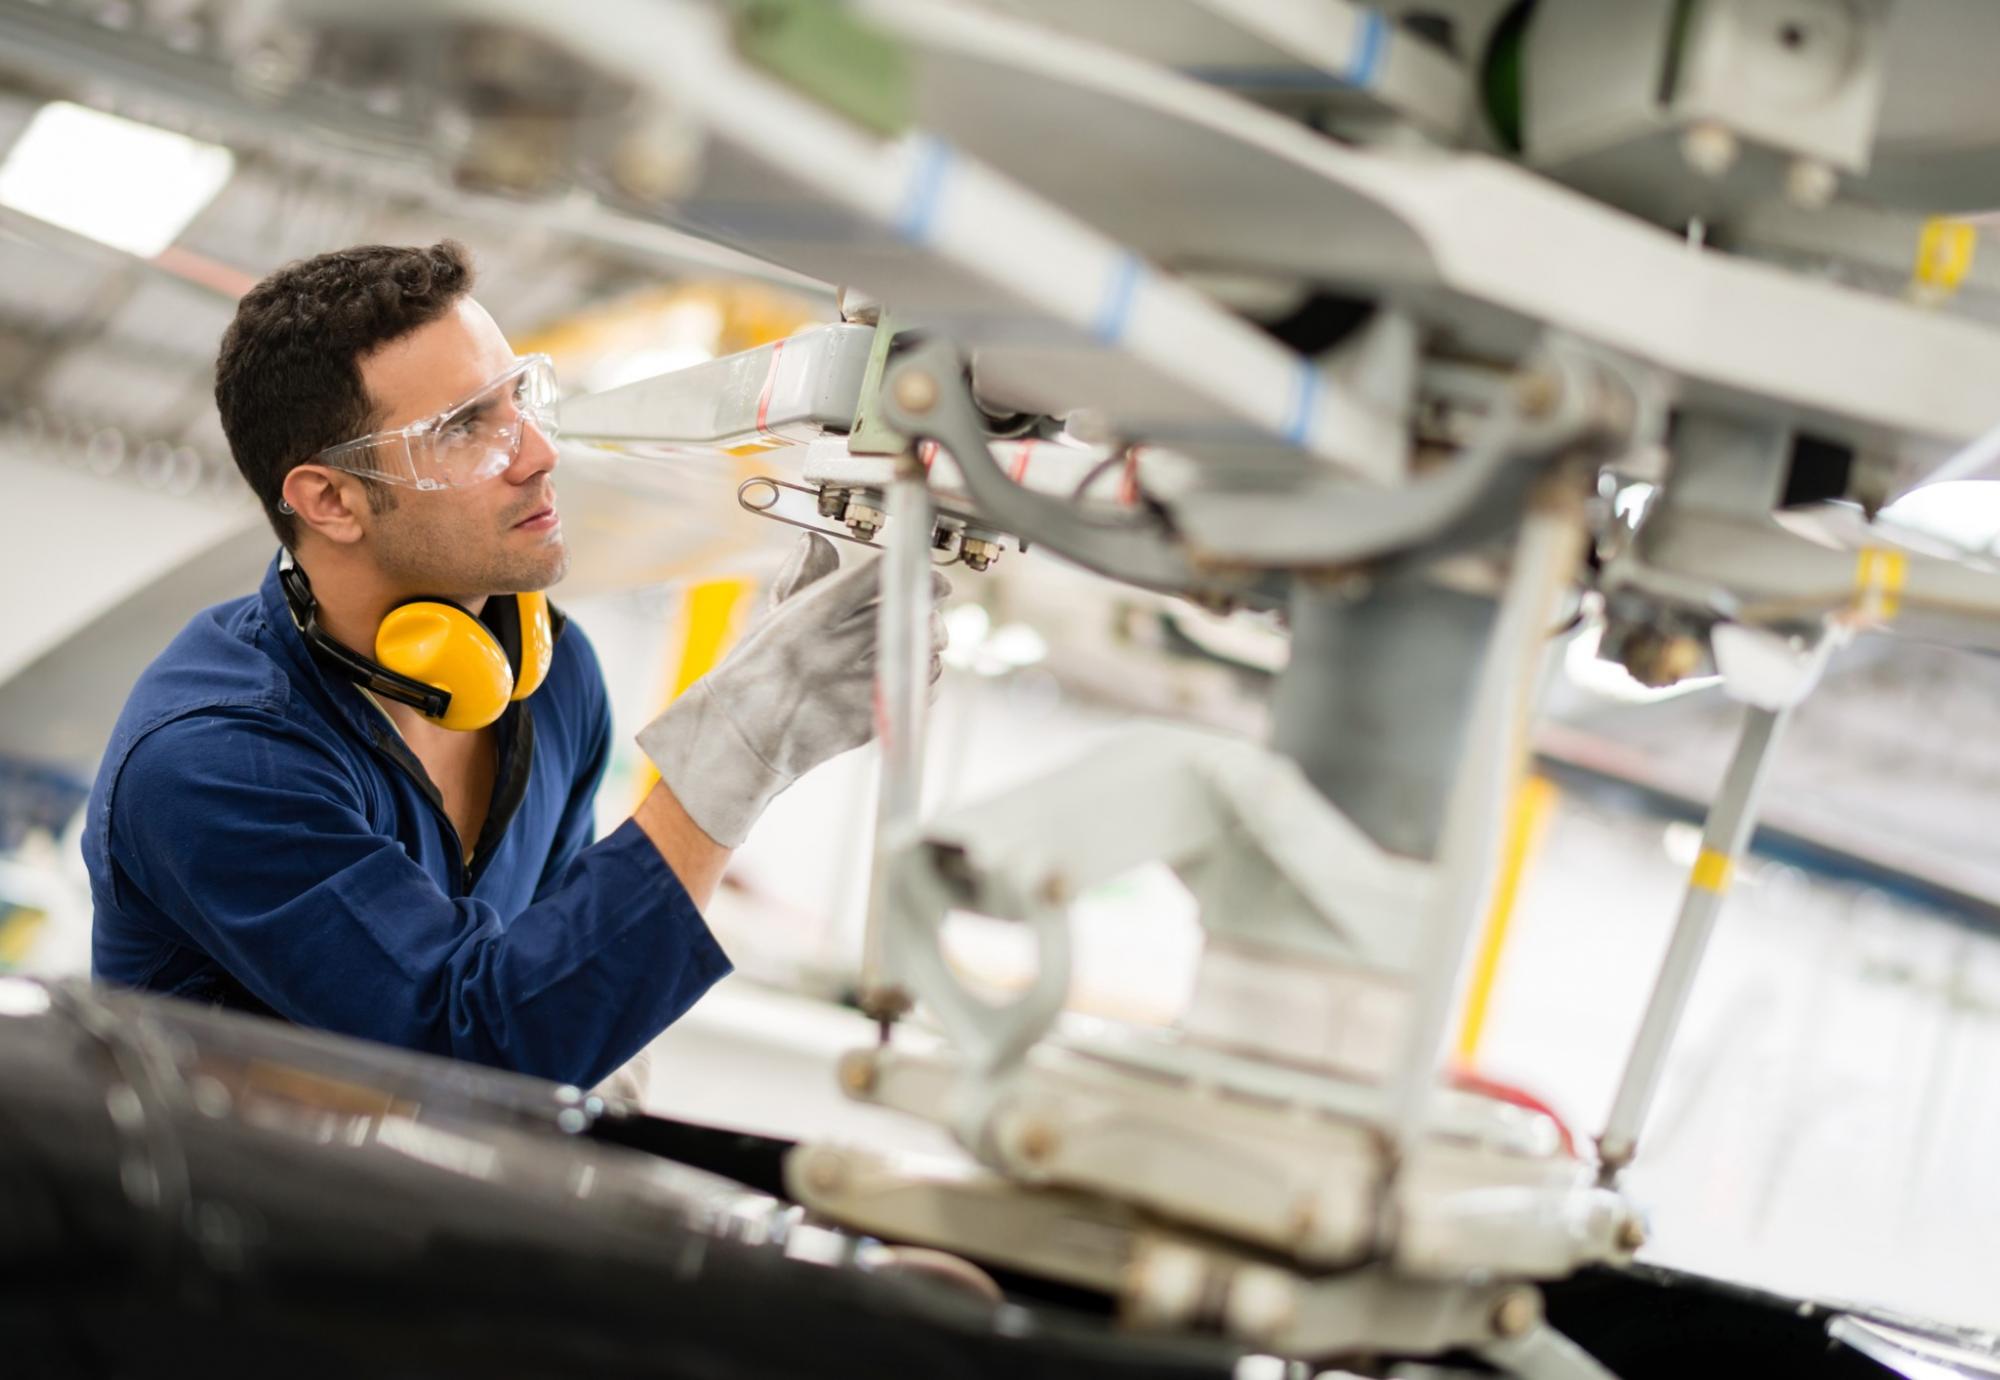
x=288, y=378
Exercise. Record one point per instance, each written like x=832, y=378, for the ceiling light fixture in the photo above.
x=131, y=186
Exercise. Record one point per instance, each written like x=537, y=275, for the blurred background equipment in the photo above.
x=1527, y=465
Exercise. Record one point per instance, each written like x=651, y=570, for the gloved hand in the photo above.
x=797, y=690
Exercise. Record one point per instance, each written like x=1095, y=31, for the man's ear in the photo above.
x=330, y=503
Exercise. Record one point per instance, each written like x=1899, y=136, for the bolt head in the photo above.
x=1710, y=149
x=1660, y=660
x=858, y=1073
x=915, y=390
x=1262, y=1304
x=827, y=1173
x=1631, y=1234
x=1810, y=184
x=1515, y=1314
x=1038, y=1141
x=1536, y=394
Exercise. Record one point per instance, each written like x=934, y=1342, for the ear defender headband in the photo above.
x=435, y=656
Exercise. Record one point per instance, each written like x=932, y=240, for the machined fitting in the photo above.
x=863, y=519
x=979, y=552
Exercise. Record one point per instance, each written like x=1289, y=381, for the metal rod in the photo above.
x=1546, y=556
x=1723, y=840
x=902, y=678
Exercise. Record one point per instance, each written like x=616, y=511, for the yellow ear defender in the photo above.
x=442, y=646
x=434, y=656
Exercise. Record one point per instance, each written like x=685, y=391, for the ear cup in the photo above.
x=441, y=644
x=538, y=644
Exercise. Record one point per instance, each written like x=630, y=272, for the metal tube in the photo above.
x=902, y=678
x=1546, y=555
x=1723, y=840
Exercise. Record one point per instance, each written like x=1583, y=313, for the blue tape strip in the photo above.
x=925, y=190
x=1368, y=52
x=1114, y=312
x=1305, y=392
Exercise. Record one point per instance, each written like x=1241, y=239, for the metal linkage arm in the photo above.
x=927, y=397
x=1723, y=840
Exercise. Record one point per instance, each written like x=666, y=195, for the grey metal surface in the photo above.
x=1374, y=702
x=791, y=389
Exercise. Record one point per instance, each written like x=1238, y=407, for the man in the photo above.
x=283, y=823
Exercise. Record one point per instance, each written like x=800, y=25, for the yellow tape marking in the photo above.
x=708, y=625
x=1944, y=253
x=1713, y=871
x=1880, y=576
x=1534, y=804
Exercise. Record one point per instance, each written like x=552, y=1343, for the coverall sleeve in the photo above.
x=257, y=841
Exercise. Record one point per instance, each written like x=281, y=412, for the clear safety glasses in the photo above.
x=467, y=443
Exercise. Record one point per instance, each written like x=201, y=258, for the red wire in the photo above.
x=1465, y=1080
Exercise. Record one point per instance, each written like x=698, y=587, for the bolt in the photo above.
x=655, y=163
x=862, y=520
x=832, y=502
x=1516, y=1313
x=858, y=307
x=979, y=553
x=1263, y=1304
x=1038, y=1141
x=826, y=1173
x=1631, y=1234
x=915, y=390
x=1810, y=184
x=1537, y=393
x=858, y=1073
x=1710, y=148
x=1656, y=659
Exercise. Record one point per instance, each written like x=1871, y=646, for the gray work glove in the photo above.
x=797, y=690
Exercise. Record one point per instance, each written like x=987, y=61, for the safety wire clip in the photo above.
x=946, y=538
x=765, y=509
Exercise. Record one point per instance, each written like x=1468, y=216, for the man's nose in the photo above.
x=537, y=453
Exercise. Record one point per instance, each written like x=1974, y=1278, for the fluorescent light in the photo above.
x=116, y=181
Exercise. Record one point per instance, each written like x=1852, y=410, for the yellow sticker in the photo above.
x=1944, y=253
x=1879, y=575
x=1712, y=870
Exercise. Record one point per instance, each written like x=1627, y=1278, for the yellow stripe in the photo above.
x=1713, y=871
x=1879, y=575
x=19, y=928
x=1944, y=253
x=1533, y=804
x=708, y=622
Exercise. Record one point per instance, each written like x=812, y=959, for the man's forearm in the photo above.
x=696, y=859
